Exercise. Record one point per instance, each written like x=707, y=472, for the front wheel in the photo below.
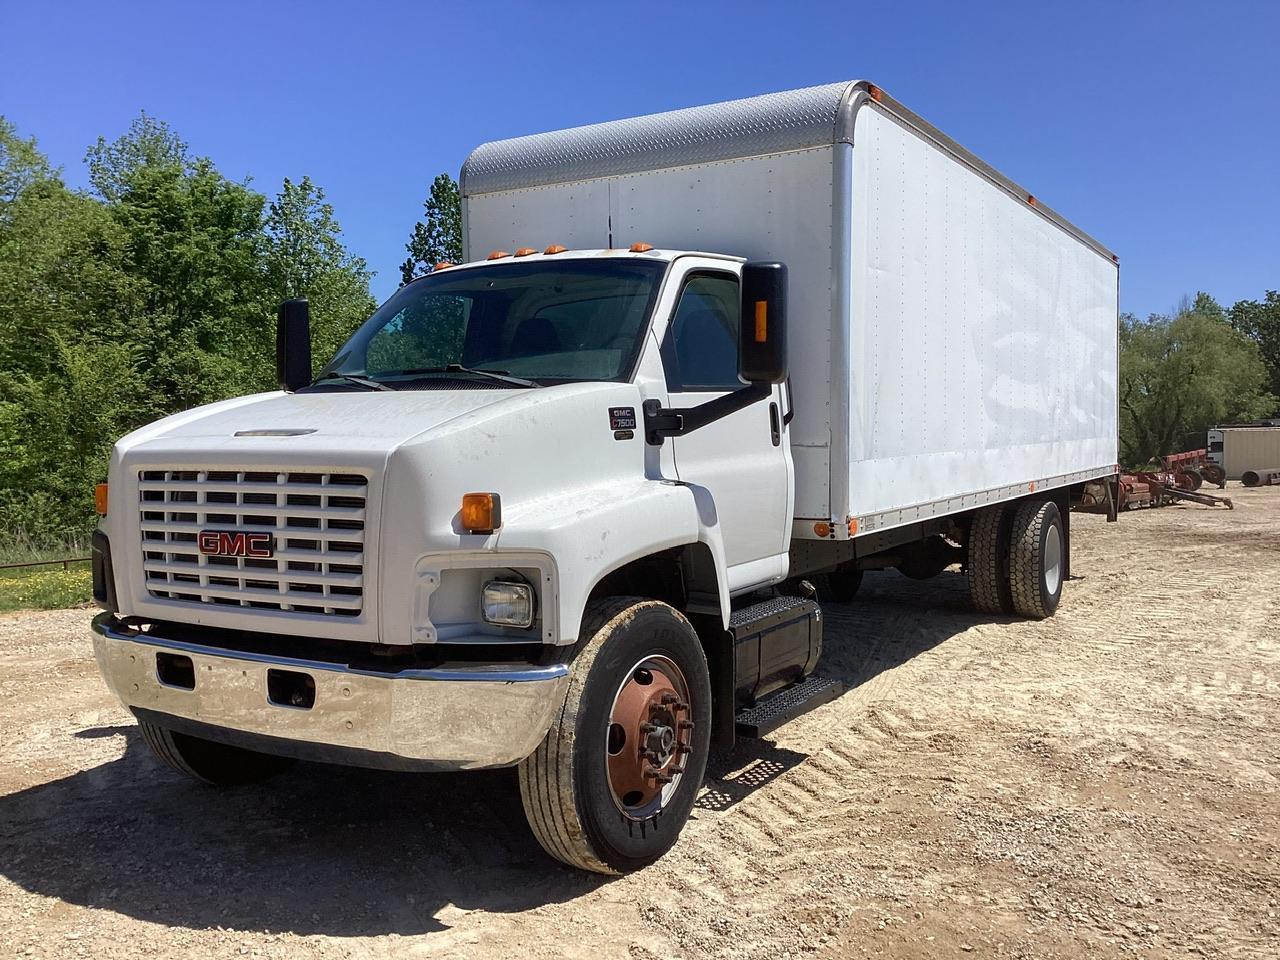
x=612, y=784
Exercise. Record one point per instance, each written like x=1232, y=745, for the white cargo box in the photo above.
x=953, y=340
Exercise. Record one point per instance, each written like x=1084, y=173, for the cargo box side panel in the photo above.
x=774, y=207
x=982, y=340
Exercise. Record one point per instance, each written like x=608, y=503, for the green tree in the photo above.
x=1179, y=375
x=68, y=380
x=21, y=165
x=305, y=257
x=1260, y=322
x=437, y=236
x=196, y=246
x=154, y=292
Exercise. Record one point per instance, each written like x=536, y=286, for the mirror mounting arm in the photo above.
x=662, y=422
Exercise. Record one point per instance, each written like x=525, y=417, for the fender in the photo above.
x=602, y=528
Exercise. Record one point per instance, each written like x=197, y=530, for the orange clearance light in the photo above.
x=762, y=321
x=821, y=529
x=554, y=248
x=481, y=512
x=497, y=255
x=641, y=247
x=100, y=499
x=874, y=92
x=442, y=265
x=525, y=251
x=853, y=526
x=1031, y=200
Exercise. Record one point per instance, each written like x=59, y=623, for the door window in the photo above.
x=700, y=352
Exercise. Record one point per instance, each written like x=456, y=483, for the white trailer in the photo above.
x=1241, y=447
x=567, y=505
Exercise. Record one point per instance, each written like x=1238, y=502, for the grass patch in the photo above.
x=45, y=588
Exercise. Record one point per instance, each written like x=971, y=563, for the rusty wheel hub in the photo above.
x=650, y=734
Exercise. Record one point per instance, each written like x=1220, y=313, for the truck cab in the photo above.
x=391, y=563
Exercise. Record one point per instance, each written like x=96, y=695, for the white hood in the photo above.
x=339, y=422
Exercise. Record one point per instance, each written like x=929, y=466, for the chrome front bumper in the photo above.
x=448, y=718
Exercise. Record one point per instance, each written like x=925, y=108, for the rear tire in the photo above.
x=1037, y=559
x=986, y=564
x=213, y=763
x=570, y=785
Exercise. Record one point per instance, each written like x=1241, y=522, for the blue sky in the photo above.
x=1155, y=126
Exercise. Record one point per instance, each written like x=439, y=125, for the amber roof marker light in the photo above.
x=497, y=255
x=526, y=251
x=641, y=247
x=554, y=248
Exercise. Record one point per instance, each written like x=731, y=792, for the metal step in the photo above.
x=778, y=708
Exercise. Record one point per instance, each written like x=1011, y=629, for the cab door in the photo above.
x=743, y=460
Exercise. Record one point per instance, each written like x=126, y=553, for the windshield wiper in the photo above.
x=357, y=380
x=500, y=375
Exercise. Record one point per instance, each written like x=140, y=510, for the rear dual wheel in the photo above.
x=613, y=782
x=1017, y=559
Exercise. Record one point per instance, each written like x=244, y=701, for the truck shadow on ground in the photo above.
x=346, y=852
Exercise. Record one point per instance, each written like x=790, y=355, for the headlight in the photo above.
x=508, y=604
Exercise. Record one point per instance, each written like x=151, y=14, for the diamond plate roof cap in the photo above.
x=752, y=127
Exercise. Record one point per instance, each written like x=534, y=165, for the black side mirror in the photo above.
x=762, y=332
x=293, y=345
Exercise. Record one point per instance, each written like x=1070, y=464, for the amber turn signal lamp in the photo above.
x=525, y=251
x=762, y=321
x=641, y=247
x=100, y=499
x=498, y=255
x=481, y=512
x=554, y=248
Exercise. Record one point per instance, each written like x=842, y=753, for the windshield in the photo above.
x=533, y=323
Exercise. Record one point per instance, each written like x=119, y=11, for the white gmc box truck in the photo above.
x=715, y=356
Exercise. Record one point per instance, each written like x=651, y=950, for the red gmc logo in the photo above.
x=224, y=543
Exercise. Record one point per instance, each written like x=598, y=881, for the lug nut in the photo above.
x=685, y=724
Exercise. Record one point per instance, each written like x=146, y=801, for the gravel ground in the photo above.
x=1102, y=783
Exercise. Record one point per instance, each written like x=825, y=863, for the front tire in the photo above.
x=217, y=764
x=612, y=784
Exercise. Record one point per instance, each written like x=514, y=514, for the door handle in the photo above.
x=775, y=424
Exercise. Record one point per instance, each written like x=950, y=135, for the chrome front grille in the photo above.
x=315, y=517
